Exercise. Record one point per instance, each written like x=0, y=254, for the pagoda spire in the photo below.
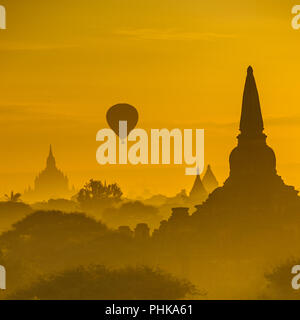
x=252, y=159
x=198, y=191
x=209, y=180
x=51, y=160
x=50, y=151
x=251, y=124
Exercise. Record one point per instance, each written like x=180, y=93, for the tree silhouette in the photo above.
x=13, y=197
x=95, y=194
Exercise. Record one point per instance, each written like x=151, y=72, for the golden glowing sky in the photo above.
x=182, y=63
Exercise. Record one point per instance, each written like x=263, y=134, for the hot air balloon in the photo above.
x=119, y=113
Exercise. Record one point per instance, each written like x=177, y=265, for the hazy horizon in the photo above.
x=63, y=64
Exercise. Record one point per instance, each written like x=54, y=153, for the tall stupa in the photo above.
x=253, y=182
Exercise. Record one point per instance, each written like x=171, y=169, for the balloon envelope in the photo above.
x=122, y=112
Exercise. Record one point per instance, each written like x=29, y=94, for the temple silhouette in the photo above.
x=209, y=180
x=203, y=187
x=198, y=192
x=253, y=160
x=249, y=223
x=50, y=183
x=254, y=196
x=253, y=181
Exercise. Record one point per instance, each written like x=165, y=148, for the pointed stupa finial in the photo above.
x=50, y=151
x=251, y=123
x=209, y=180
x=198, y=191
x=51, y=160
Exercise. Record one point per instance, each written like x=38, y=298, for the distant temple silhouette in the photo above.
x=50, y=183
x=209, y=180
x=198, y=192
x=202, y=188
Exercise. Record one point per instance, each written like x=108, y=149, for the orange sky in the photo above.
x=183, y=65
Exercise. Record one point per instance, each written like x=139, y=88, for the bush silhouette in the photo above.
x=99, y=283
x=11, y=212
